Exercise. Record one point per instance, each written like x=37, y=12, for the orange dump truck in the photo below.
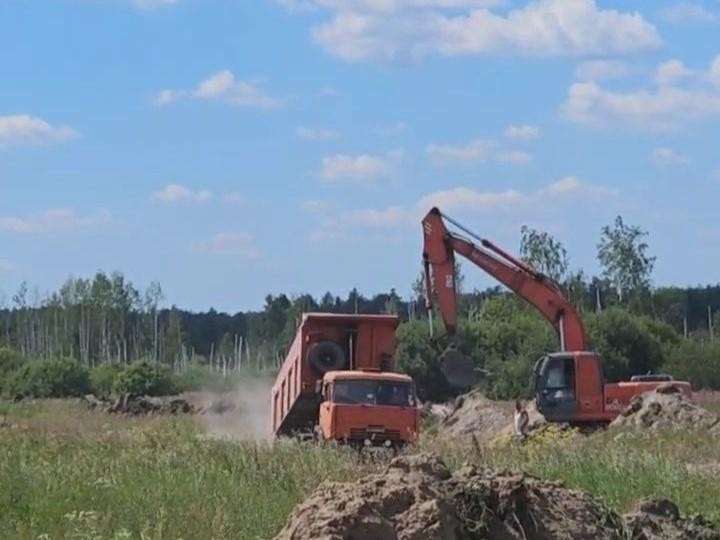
x=337, y=383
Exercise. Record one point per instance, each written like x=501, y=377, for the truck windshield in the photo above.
x=369, y=392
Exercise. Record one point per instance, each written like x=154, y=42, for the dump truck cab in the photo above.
x=368, y=408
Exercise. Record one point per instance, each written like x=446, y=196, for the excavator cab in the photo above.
x=555, y=387
x=569, y=387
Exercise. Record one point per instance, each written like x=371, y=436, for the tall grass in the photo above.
x=70, y=474
x=155, y=481
x=619, y=468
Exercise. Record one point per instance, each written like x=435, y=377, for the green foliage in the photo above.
x=10, y=361
x=53, y=378
x=102, y=378
x=622, y=252
x=506, y=337
x=143, y=378
x=417, y=357
x=629, y=344
x=696, y=361
x=544, y=253
x=198, y=377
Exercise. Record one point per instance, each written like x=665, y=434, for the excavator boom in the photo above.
x=440, y=246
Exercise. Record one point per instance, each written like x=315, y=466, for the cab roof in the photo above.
x=366, y=375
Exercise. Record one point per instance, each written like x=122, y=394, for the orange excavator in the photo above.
x=570, y=384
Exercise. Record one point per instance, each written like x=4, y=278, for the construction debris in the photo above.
x=666, y=409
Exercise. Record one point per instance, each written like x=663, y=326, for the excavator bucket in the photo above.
x=458, y=369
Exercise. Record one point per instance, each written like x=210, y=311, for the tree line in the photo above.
x=107, y=320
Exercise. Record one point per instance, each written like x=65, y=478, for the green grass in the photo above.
x=152, y=480
x=69, y=474
x=619, y=468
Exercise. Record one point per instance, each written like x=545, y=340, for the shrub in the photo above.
x=629, y=344
x=417, y=357
x=697, y=362
x=143, y=378
x=102, y=378
x=54, y=378
x=10, y=361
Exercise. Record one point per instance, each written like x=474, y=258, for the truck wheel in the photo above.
x=326, y=356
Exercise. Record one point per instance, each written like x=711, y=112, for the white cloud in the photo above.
x=667, y=157
x=671, y=72
x=51, y=221
x=387, y=30
x=601, y=70
x=239, y=244
x=166, y=97
x=476, y=151
x=173, y=193
x=359, y=168
x=7, y=266
x=568, y=184
x=523, y=132
x=223, y=86
x=676, y=102
x=316, y=134
x=23, y=129
x=462, y=200
x=688, y=12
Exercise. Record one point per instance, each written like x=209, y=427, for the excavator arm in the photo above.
x=440, y=246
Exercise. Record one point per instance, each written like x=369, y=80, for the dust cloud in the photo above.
x=241, y=415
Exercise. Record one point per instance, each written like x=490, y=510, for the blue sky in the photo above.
x=230, y=149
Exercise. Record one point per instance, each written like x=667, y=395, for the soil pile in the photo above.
x=417, y=498
x=666, y=409
x=475, y=415
x=660, y=519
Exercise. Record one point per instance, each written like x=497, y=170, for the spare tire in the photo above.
x=326, y=356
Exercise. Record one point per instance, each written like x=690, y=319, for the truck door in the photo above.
x=589, y=385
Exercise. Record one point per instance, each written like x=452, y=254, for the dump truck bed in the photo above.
x=367, y=340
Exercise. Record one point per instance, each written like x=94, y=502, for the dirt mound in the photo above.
x=474, y=414
x=417, y=498
x=660, y=519
x=665, y=409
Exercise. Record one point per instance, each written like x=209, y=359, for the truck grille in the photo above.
x=375, y=435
